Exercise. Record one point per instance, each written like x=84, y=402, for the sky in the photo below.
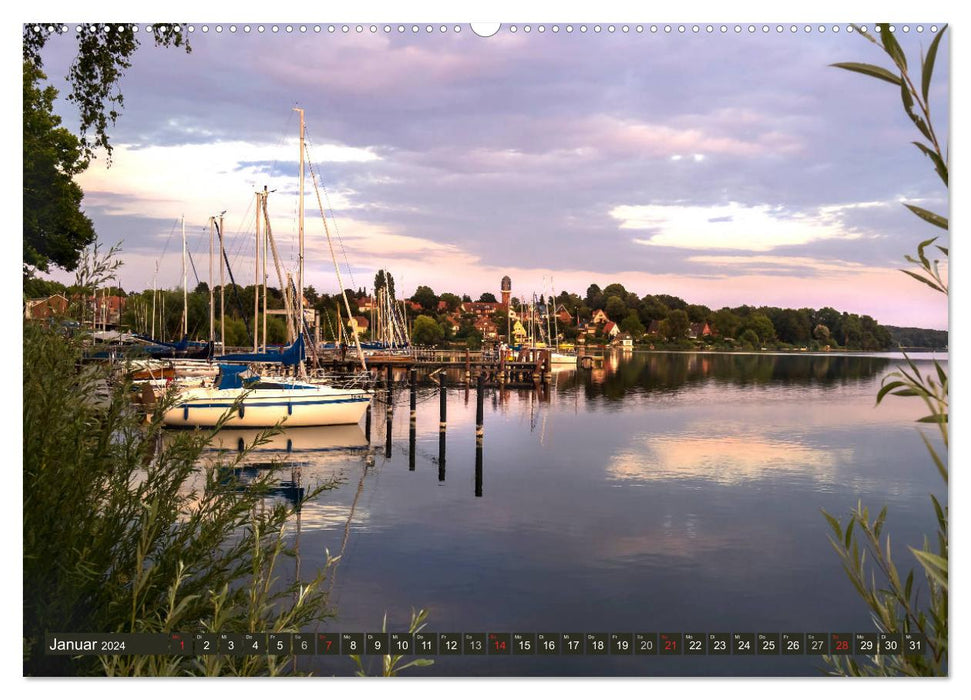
x=725, y=168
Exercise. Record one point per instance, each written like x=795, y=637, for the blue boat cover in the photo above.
x=290, y=356
x=229, y=376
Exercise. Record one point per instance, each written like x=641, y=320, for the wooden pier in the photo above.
x=530, y=367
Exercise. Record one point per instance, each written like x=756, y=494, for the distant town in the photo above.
x=611, y=315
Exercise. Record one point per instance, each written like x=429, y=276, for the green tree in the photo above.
x=452, y=301
x=615, y=307
x=632, y=324
x=595, y=297
x=726, y=322
x=759, y=324
x=488, y=297
x=425, y=331
x=426, y=297
x=677, y=324
x=103, y=55
x=896, y=604
x=749, y=339
x=55, y=227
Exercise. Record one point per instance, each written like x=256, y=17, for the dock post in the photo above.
x=411, y=447
x=414, y=392
x=367, y=424
x=387, y=436
x=442, y=406
x=468, y=367
x=441, y=455
x=478, y=411
x=478, y=468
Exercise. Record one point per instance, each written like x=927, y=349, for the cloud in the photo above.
x=723, y=459
x=734, y=226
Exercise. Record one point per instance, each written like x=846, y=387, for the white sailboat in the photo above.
x=260, y=403
x=255, y=402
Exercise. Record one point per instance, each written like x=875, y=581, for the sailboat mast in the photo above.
x=256, y=281
x=300, y=229
x=154, y=296
x=266, y=229
x=185, y=286
x=222, y=289
x=212, y=292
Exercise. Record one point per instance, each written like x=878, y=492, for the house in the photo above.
x=654, y=328
x=366, y=304
x=699, y=330
x=563, y=315
x=611, y=330
x=45, y=307
x=518, y=332
x=358, y=324
x=623, y=340
x=106, y=308
x=487, y=328
x=414, y=306
x=599, y=317
x=480, y=308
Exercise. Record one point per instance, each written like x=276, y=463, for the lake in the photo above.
x=662, y=492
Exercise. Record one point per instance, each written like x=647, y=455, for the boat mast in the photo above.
x=266, y=229
x=212, y=292
x=222, y=289
x=256, y=281
x=154, y=296
x=333, y=257
x=300, y=229
x=185, y=286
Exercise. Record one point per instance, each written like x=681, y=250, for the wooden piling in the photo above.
x=414, y=393
x=442, y=406
x=441, y=455
x=478, y=469
x=479, y=413
x=411, y=447
x=387, y=436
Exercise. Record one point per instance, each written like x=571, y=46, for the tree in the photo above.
x=677, y=324
x=615, y=307
x=384, y=279
x=426, y=297
x=726, y=322
x=103, y=56
x=749, y=339
x=452, y=301
x=425, y=331
x=698, y=313
x=594, y=298
x=896, y=604
x=821, y=333
x=632, y=324
x=55, y=227
x=761, y=325
x=488, y=297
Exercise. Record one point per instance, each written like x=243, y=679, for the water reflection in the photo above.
x=289, y=441
x=723, y=459
x=637, y=372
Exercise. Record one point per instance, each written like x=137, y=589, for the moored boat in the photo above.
x=258, y=403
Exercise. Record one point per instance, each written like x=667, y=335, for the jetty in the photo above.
x=529, y=368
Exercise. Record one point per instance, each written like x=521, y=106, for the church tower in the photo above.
x=506, y=288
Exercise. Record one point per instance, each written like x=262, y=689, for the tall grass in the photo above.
x=121, y=533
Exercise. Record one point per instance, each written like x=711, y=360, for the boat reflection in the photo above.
x=328, y=438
